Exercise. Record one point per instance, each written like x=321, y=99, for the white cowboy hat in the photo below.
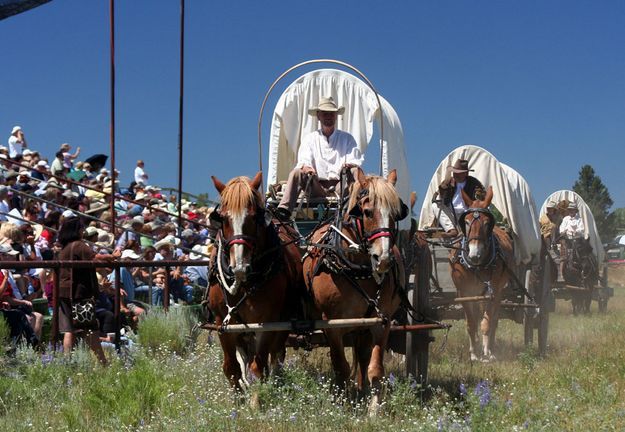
x=15, y=129
x=129, y=253
x=196, y=251
x=326, y=104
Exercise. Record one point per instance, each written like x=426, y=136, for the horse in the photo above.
x=354, y=270
x=481, y=267
x=255, y=277
x=580, y=269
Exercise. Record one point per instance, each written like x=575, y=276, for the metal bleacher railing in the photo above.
x=115, y=228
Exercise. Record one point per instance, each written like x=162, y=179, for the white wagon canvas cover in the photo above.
x=291, y=122
x=590, y=228
x=512, y=197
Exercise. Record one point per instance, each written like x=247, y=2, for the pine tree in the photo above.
x=596, y=195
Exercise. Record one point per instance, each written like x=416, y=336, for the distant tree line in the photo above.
x=590, y=187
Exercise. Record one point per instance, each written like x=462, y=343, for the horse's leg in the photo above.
x=231, y=366
x=362, y=357
x=471, y=311
x=376, y=367
x=488, y=326
x=337, y=355
x=277, y=352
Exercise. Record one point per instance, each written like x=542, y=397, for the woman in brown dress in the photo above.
x=77, y=284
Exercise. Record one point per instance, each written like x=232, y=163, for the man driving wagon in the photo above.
x=450, y=204
x=320, y=159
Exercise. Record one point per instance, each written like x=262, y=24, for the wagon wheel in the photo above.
x=418, y=343
x=546, y=299
x=603, y=298
x=528, y=317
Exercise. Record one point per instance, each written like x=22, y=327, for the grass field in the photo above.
x=169, y=385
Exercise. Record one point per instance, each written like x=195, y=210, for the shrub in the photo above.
x=166, y=331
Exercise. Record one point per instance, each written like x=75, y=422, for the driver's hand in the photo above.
x=308, y=170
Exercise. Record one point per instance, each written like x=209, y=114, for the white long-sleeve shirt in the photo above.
x=327, y=156
x=16, y=146
x=141, y=176
x=572, y=227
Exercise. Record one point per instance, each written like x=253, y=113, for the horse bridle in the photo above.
x=238, y=239
x=368, y=237
x=477, y=214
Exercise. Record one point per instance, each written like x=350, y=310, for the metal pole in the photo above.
x=112, y=64
x=150, y=283
x=166, y=290
x=117, y=307
x=180, y=117
x=55, y=308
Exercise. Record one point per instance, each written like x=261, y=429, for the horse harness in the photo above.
x=263, y=266
x=495, y=252
x=328, y=252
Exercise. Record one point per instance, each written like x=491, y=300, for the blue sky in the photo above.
x=540, y=84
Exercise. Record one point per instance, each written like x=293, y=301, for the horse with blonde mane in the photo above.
x=353, y=269
x=255, y=277
x=480, y=268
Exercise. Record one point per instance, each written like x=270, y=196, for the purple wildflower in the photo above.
x=526, y=425
x=251, y=378
x=482, y=391
x=413, y=383
x=201, y=401
x=440, y=425
x=234, y=414
x=391, y=379
x=69, y=382
x=463, y=390
x=509, y=403
x=292, y=418
x=46, y=359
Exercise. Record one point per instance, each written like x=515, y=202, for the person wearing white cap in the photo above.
x=322, y=155
x=129, y=238
x=197, y=275
x=40, y=171
x=550, y=222
x=572, y=225
x=17, y=143
x=103, y=176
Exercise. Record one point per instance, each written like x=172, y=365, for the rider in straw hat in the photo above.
x=450, y=205
x=322, y=155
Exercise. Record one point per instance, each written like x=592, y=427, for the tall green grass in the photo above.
x=169, y=332
x=168, y=384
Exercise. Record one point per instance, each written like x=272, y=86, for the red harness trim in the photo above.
x=378, y=235
x=240, y=241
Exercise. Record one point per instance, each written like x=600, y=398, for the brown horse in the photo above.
x=255, y=277
x=481, y=268
x=356, y=274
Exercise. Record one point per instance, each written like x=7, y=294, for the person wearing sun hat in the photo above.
x=449, y=205
x=322, y=155
x=572, y=225
x=17, y=143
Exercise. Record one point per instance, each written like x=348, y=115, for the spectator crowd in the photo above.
x=38, y=195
